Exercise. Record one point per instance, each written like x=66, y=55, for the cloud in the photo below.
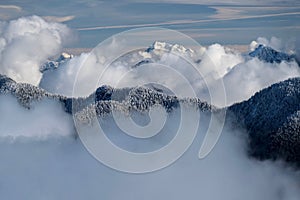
x=230, y=2
x=45, y=119
x=246, y=76
x=274, y=43
x=55, y=166
x=26, y=43
x=10, y=11
x=253, y=75
x=227, y=12
x=18, y=8
x=61, y=80
x=58, y=19
x=242, y=76
x=184, y=22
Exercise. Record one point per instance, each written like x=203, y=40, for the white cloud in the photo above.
x=63, y=168
x=43, y=120
x=242, y=76
x=18, y=8
x=229, y=2
x=61, y=80
x=58, y=19
x=253, y=75
x=26, y=43
x=274, y=43
x=183, y=22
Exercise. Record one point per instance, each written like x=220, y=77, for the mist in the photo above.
x=60, y=167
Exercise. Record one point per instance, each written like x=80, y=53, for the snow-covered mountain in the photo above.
x=140, y=99
x=53, y=64
x=25, y=93
x=270, y=55
x=158, y=49
x=271, y=118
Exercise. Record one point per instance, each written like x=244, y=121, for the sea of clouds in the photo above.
x=41, y=158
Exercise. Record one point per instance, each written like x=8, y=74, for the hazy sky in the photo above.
x=225, y=22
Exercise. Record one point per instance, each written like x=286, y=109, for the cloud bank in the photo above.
x=62, y=168
x=45, y=119
x=241, y=75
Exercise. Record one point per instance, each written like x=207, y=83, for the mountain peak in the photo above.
x=164, y=46
x=53, y=64
x=270, y=55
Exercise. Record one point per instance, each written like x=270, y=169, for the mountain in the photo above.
x=25, y=93
x=6, y=84
x=270, y=55
x=286, y=141
x=158, y=49
x=53, y=64
x=167, y=47
x=271, y=118
x=140, y=99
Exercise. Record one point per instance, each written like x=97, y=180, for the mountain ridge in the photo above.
x=270, y=117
